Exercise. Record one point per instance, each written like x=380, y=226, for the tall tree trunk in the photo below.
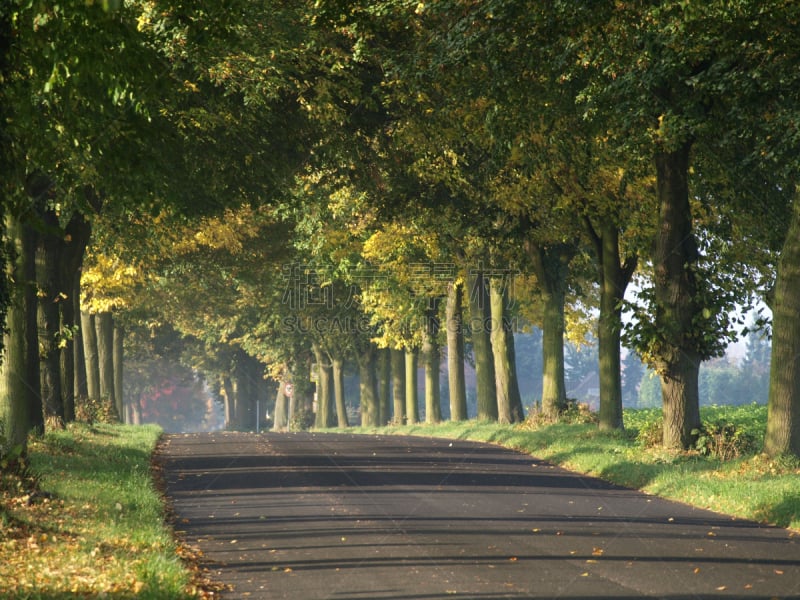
x=81, y=389
x=135, y=412
x=783, y=412
x=455, y=351
x=15, y=406
x=67, y=357
x=480, y=328
x=551, y=266
x=281, y=420
x=614, y=278
x=432, y=358
x=32, y=362
x=412, y=391
x=226, y=393
x=368, y=387
x=247, y=377
x=398, y=386
x=301, y=404
x=104, y=327
x=70, y=256
x=677, y=310
x=324, y=375
x=119, y=364
x=337, y=365
x=89, y=334
x=384, y=367
x=48, y=278
x=509, y=401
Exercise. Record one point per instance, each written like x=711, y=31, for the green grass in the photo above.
x=97, y=526
x=750, y=486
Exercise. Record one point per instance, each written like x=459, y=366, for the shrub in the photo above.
x=651, y=433
x=724, y=440
x=575, y=413
x=302, y=420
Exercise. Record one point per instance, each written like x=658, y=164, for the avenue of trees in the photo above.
x=280, y=192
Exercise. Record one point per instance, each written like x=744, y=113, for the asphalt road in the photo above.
x=322, y=516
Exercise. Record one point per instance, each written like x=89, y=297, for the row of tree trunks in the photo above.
x=101, y=359
x=245, y=394
x=38, y=371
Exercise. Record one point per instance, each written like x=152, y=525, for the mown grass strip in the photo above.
x=94, y=525
x=750, y=486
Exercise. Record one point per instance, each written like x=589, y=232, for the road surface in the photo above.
x=343, y=517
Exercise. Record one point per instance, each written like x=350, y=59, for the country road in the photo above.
x=321, y=516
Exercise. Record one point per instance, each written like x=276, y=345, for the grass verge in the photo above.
x=87, y=520
x=750, y=486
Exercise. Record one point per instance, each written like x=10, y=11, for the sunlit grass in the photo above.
x=751, y=486
x=96, y=526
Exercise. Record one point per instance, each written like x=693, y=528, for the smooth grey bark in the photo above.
x=368, y=387
x=342, y=419
x=480, y=328
x=104, y=328
x=412, y=392
x=551, y=266
x=92, y=362
x=119, y=365
x=384, y=370
x=324, y=417
x=455, y=351
x=281, y=420
x=398, y=366
x=432, y=360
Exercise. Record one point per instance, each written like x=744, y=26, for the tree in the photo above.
x=783, y=422
x=454, y=324
x=509, y=400
x=671, y=108
x=480, y=331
